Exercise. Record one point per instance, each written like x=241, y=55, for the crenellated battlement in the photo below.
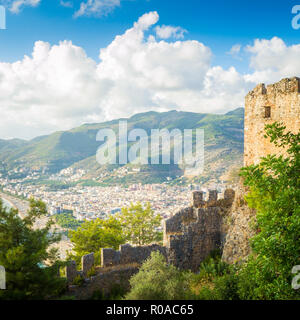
x=193, y=232
x=285, y=86
x=128, y=254
x=213, y=200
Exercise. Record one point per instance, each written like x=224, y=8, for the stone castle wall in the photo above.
x=189, y=237
x=265, y=105
x=194, y=232
x=104, y=282
x=87, y=262
x=129, y=254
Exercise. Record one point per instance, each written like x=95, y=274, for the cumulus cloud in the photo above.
x=59, y=87
x=96, y=7
x=15, y=6
x=235, y=51
x=165, y=32
x=66, y=4
x=273, y=60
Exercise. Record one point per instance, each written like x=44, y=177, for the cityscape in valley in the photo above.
x=88, y=203
x=61, y=170
x=67, y=177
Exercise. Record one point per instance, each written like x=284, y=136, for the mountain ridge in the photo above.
x=62, y=149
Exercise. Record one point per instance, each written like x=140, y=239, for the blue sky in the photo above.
x=219, y=24
x=192, y=55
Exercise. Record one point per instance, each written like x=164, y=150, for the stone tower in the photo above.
x=265, y=105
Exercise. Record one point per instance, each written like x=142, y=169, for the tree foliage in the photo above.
x=156, y=280
x=274, y=186
x=67, y=220
x=275, y=194
x=23, y=250
x=136, y=224
x=93, y=235
x=140, y=224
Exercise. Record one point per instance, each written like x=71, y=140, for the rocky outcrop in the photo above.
x=238, y=229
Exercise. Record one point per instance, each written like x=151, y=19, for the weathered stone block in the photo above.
x=87, y=262
x=213, y=195
x=129, y=254
x=189, y=247
x=71, y=271
x=109, y=257
x=197, y=199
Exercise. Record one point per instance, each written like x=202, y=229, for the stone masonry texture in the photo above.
x=194, y=232
x=71, y=271
x=129, y=254
x=265, y=105
x=87, y=262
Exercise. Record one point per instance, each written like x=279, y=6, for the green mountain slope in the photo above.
x=77, y=147
x=9, y=145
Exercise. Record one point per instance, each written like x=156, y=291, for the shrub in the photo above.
x=91, y=272
x=78, y=281
x=157, y=280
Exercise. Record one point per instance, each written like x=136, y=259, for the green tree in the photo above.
x=23, y=250
x=275, y=193
x=140, y=225
x=93, y=235
x=156, y=280
x=67, y=220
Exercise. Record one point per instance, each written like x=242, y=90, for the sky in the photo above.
x=68, y=62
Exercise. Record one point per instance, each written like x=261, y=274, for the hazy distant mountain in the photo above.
x=9, y=145
x=77, y=147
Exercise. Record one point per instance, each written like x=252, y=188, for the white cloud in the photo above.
x=16, y=6
x=57, y=85
x=273, y=60
x=96, y=7
x=66, y=4
x=60, y=87
x=235, y=51
x=166, y=32
x=148, y=74
x=146, y=21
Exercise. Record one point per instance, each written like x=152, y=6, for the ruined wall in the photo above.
x=265, y=105
x=193, y=233
x=189, y=236
x=104, y=282
x=87, y=262
x=129, y=254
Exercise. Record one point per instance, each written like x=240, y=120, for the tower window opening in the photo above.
x=267, y=112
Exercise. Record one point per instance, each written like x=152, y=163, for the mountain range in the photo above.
x=77, y=147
